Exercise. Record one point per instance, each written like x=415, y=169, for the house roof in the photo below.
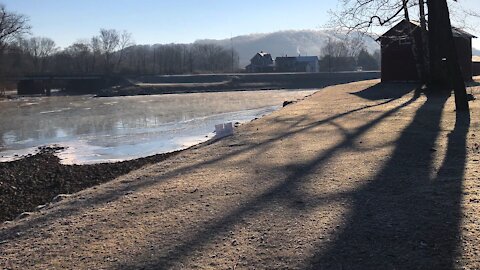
x=263, y=54
x=457, y=32
x=286, y=58
x=307, y=58
x=298, y=58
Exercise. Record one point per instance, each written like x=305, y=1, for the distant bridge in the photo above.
x=43, y=84
x=59, y=77
x=91, y=84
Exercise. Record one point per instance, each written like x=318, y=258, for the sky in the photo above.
x=175, y=21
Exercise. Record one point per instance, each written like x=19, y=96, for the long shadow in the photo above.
x=386, y=91
x=280, y=192
x=76, y=206
x=404, y=218
x=473, y=83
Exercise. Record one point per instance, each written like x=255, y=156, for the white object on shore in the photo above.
x=223, y=130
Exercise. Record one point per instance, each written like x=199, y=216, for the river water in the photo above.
x=120, y=128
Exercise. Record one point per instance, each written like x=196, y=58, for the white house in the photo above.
x=311, y=63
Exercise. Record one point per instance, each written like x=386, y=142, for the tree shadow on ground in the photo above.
x=282, y=192
x=405, y=218
x=386, y=91
x=391, y=199
x=473, y=83
x=71, y=208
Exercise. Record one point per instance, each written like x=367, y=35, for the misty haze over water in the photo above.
x=119, y=128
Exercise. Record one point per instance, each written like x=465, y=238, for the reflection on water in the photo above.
x=119, y=128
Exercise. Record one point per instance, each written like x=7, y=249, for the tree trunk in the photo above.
x=443, y=54
x=424, y=41
x=411, y=34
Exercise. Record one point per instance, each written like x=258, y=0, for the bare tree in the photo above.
x=335, y=48
x=110, y=39
x=96, y=47
x=40, y=49
x=212, y=58
x=339, y=54
x=363, y=15
x=114, y=52
x=12, y=26
x=125, y=41
x=81, y=55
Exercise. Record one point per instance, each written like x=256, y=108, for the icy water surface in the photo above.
x=121, y=128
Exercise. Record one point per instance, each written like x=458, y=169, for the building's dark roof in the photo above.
x=307, y=59
x=298, y=58
x=286, y=59
x=457, y=32
x=264, y=54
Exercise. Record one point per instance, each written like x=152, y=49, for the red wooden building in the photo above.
x=476, y=65
x=398, y=61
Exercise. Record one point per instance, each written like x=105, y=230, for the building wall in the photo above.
x=285, y=64
x=313, y=67
x=476, y=68
x=464, y=52
x=261, y=61
x=260, y=64
x=293, y=64
x=398, y=62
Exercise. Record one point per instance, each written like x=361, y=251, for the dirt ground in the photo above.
x=358, y=176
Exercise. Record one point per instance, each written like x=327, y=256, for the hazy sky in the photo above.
x=174, y=21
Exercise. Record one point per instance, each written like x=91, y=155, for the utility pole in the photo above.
x=231, y=44
x=154, y=60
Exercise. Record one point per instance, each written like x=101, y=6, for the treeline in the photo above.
x=348, y=55
x=110, y=52
x=113, y=52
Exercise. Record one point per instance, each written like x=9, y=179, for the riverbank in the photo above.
x=31, y=183
x=124, y=85
x=179, y=84
x=357, y=176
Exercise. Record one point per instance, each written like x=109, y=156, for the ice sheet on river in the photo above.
x=120, y=128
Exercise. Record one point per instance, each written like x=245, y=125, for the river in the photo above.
x=97, y=130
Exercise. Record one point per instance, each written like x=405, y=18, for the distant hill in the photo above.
x=292, y=43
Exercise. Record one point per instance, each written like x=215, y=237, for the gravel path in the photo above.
x=358, y=176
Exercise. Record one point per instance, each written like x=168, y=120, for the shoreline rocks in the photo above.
x=32, y=182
